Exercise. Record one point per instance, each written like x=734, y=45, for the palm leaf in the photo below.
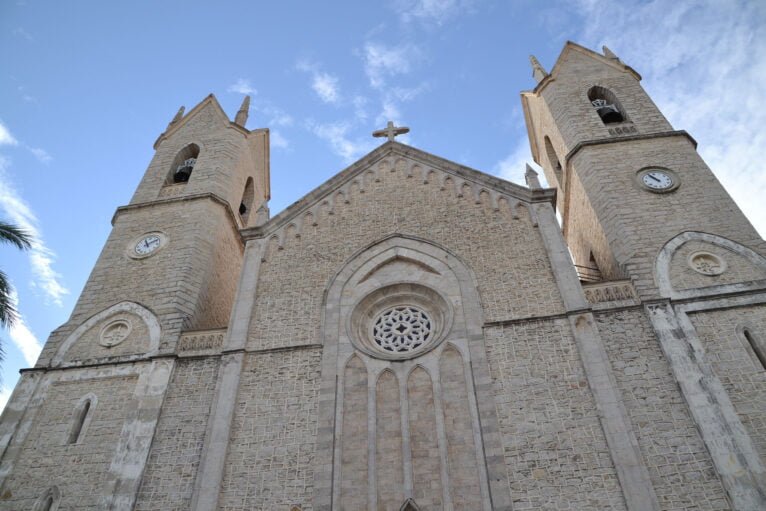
x=8, y=313
x=11, y=234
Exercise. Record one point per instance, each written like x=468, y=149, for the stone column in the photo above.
x=210, y=473
x=623, y=446
x=730, y=447
x=127, y=466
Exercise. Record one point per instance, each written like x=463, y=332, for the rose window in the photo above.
x=402, y=329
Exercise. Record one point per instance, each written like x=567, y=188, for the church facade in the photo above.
x=413, y=334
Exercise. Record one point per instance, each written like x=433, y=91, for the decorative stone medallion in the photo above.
x=114, y=333
x=707, y=263
x=401, y=329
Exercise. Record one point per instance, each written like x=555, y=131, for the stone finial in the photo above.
x=243, y=112
x=538, y=71
x=609, y=53
x=177, y=117
x=262, y=215
x=531, y=177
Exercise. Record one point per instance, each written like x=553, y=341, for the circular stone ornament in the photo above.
x=657, y=179
x=401, y=329
x=400, y=321
x=707, y=263
x=114, y=333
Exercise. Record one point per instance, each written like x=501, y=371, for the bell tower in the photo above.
x=627, y=181
x=175, y=249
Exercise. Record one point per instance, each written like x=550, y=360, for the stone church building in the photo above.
x=413, y=334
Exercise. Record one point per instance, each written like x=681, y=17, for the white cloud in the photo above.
x=20, y=32
x=326, y=87
x=41, y=154
x=706, y=73
x=242, y=86
x=23, y=337
x=431, y=12
x=275, y=116
x=324, y=84
x=5, y=136
x=513, y=166
x=337, y=135
x=360, y=108
x=41, y=258
x=382, y=61
x=277, y=140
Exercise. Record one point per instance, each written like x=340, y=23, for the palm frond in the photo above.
x=8, y=313
x=9, y=233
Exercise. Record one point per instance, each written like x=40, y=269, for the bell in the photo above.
x=242, y=208
x=609, y=114
x=182, y=174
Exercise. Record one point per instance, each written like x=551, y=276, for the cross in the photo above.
x=391, y=131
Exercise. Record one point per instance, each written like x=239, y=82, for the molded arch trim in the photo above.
x=152, y=324
x=665, y=256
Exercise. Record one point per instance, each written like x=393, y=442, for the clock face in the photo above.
x=148, y=244
x=657, y=180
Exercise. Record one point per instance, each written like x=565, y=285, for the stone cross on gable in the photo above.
x=390, y=131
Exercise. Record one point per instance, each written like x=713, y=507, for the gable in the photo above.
x=578, y=60
x=411, y=163
x=209, y=106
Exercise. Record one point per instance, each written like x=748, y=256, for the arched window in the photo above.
x=48, y=501
x=759, y=348
x=80, y=419
x=409, y=505
x=606, y=105
x=554, y=161
x=183, y=164
x=246, y=205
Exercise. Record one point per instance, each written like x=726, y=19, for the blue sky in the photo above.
x=87, y=86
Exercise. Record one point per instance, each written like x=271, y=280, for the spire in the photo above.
x=243, y=112
x=609, y=53
x=177, y=117
x=538, y=72
x=531, y=177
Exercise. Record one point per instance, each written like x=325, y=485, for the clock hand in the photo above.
x=651, y=176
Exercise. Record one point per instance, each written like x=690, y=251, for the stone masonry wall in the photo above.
x=80, y=469
x=219, y=285
x=637, y=222
x=680, y=467
x=506, y=254
x=585, y=234
x=740, y=372
x=168, y=479
x=555, y=449
x=166, y=283
x=273, y=437
x=576, y=118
